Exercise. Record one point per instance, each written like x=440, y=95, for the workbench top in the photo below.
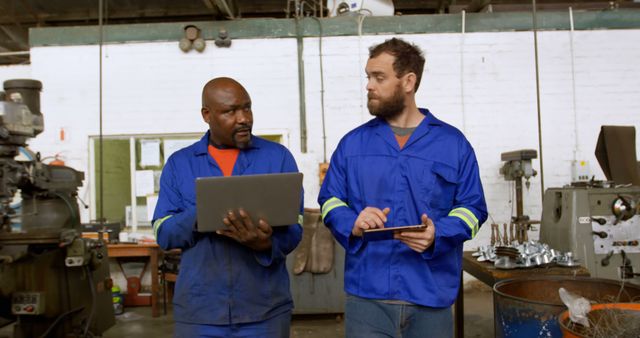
x=489, y=274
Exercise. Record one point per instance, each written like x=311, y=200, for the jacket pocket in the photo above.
x=441, y=192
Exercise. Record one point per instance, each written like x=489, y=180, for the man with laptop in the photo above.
x=233, y=279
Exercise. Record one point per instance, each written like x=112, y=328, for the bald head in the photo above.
x=226, y=108
x=220, y=84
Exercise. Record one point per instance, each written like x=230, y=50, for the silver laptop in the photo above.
x=272, y=197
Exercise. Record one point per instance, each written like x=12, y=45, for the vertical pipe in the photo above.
x=535, y=48
x=519, y=200
x=464, y=28
x=576, y=149
x=100, y=32
x=363, y=115
x=301, y=89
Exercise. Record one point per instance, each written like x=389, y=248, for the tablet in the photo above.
x=275, y=198
x=387, y=233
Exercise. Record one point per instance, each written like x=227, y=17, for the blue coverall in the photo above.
x=435, y=173
x=222, y=282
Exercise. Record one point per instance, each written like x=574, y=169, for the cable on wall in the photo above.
x=324, y=130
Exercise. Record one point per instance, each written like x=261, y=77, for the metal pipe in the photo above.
x=576, y=149
x=462, y=41
x=15, y=53
x=101, y=169
x=519, y=199
x=535, y=48
x=324, y=130
x=301, y=89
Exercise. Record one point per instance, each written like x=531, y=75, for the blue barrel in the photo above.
x=529, y=307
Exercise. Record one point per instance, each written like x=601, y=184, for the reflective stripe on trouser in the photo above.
x=157, y=224
x=331, y=204
x=468, y=217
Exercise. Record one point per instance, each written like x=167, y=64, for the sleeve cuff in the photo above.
x=355, y=244
x=266, y=257
x=431, y=251
x=190, y=216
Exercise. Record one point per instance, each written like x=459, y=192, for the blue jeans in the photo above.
x=373, y=318
x=276, y=327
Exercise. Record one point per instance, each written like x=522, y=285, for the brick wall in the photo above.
x=482, y=83
x=14, y=72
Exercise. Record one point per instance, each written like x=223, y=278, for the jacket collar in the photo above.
x=384, y=129
x=202, y=146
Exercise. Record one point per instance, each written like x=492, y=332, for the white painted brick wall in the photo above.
x=155, y=88
x=14, y=72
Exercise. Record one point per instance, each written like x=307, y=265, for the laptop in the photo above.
x=273, y=197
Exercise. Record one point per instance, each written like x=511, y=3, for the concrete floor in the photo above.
x=478, y=322
x=137, y=322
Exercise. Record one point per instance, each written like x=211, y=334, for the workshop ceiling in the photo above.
x=17, y=16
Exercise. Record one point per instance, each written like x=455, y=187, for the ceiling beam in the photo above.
x=212, y=7
x=19, y=36
x=548, y=6
x=27, y=6
x=477, y=5
x=91, y=15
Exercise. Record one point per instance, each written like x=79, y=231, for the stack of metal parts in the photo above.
x=526, y=255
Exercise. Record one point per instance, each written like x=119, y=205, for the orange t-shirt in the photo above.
x=226, y=158
x=402, y=140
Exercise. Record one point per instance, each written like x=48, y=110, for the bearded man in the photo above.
x=403, y=167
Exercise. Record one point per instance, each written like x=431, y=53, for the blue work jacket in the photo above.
x=435, y=173
x=220, y=281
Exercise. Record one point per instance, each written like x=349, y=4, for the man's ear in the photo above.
x=206, y=115
x=409, y=82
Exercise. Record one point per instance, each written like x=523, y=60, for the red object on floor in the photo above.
x=133, y=298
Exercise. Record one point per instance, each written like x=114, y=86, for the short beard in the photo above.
x=242, y=144
x=389, y=108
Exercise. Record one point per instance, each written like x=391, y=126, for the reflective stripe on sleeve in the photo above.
x=158, y=223
x=468, y=217
x=331, y=204
x=300, y=219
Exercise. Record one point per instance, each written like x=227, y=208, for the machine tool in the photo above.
x=599, y=221
x=518, y=166
x=53, y=283
x=600, y=224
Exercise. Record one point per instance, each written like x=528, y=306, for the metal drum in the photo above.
x=529, y=307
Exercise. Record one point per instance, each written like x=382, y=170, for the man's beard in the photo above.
x=242, y=144
x=388, y=108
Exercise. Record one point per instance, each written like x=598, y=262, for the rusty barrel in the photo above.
x=529, y=307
